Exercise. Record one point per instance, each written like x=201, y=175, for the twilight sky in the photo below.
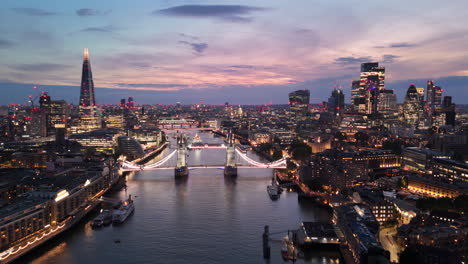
x=237, y=51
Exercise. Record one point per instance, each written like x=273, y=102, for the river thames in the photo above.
x=206, y=219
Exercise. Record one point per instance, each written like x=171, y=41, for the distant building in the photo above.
x=89, y=112
x=387, y=103
x=420, y=160
x=57, y=114
x=130, y=147
x=434, y=97
x=372, y=81
x=336, y=103
x=299, y=103
x=449, y=109
x=412, y=108
x=358, y=97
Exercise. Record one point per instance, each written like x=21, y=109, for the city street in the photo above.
x=386, y=236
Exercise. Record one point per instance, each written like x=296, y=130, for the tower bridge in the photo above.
x=182, y=168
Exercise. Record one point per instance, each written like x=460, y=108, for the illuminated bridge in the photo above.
x=234, y=159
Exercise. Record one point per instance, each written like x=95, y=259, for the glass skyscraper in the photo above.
x=299, y=102
x=89, y=114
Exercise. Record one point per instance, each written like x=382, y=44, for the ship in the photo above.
x=126, y=209
x=103, y=219
x=288, y=250
x=197, y=139
x=273, y=190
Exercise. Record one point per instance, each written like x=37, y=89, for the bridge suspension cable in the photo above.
x=278, y=163
x=130, y=165
x=162, y=161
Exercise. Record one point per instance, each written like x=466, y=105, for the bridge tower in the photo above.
x=181, y=169
x=230, y=168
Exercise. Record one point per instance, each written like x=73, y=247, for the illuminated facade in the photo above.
x=100, y=140
x=434, y=97
x=432, y=188
x=420, y=160
x=387, y=103
x=299, y=103
x=130, y=147
x=89, y=112
x=336, y=103
x=412, y=107
x=372, y=81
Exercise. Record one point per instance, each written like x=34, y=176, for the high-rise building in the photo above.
x=387, y=103
x=89, y=113
x=130, y=103
x=434, y=98
x=299, y=102
x=372, y=81
x=358, y=97
x=56, y=114
x=336, y=103
x=412, y=108
x=449, y=109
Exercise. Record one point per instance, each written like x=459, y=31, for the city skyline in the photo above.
x=181, y=52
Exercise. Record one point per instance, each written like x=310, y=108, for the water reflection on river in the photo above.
x=205, y=219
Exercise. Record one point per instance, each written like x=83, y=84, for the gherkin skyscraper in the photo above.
x=89, y=114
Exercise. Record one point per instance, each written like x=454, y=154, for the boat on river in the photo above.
x=274, y=190
x=103, y=219
x=125, y=210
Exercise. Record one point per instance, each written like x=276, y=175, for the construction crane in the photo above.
x=33, y=99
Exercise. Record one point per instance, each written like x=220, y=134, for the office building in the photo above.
x=434, y=98
x=412, y=108
x=336, y=103
x=372, y=81
x=299, y=103
x=387, y=103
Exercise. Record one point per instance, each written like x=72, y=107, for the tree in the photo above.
x=410, y=256
x=361, y=137
x=301, y=152
x=339, y=136
x=290, y=165
x=265, y=147
x=277, y=154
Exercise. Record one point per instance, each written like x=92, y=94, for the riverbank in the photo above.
x=49, y=232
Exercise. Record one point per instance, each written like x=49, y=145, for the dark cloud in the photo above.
x=103, y=29
x=402, y=45
x=39, y=67
x=397, y=45
x=197, y=47
x=6, y=43
x=352, y=60
x=152, y=85
x=389, y=58
x=33, y=11
x=83, y=12
x=242, y=66
x=232, y=13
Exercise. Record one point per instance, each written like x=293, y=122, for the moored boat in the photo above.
x=273, y=192
x=103, y=219
x=126, y=209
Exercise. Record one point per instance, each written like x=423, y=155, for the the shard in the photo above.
x=89, y=114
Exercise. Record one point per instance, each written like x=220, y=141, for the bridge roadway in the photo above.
x=207, y=167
